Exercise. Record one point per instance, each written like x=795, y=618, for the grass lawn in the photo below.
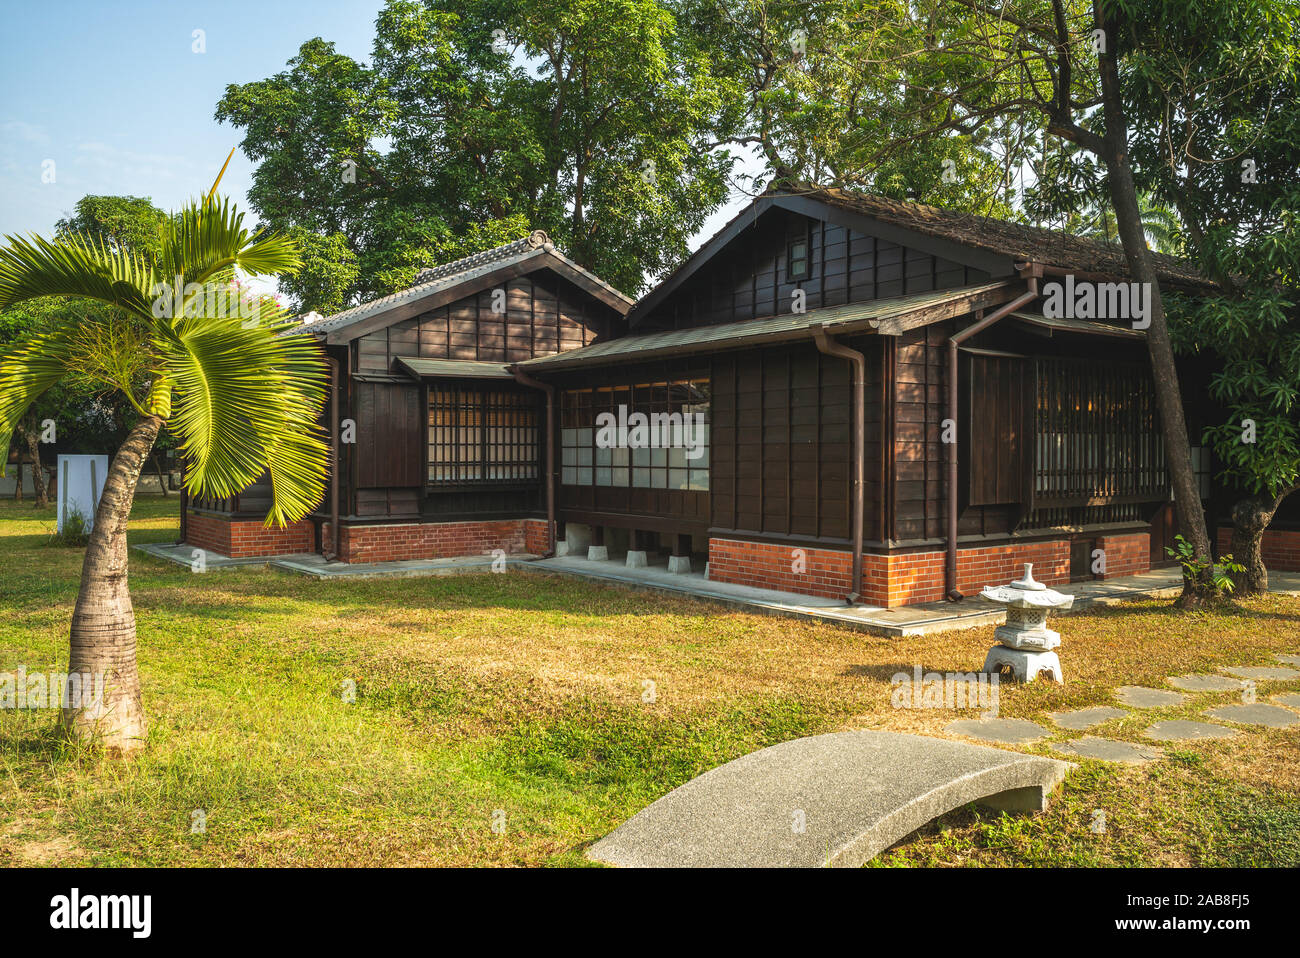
x=527, y=694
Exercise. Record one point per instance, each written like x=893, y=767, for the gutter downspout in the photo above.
x=955, y=340
x=833, y=348
x=524, y=379
x=332, y=552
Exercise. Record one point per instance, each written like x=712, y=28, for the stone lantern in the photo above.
x=1025, y=643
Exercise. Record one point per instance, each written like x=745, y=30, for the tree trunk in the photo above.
x=1250, y=517
x=38, y=471
x=18, y=486
x=162, y=481
x=103, y=621
x=1128, y=217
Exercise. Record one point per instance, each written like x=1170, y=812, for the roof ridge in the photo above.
x=1173, y=265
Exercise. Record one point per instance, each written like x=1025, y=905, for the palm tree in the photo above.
x=240, y=399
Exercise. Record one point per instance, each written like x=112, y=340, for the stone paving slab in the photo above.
x=183, y=555
x=1288, y=659
x=1180, y=730
x=1109, y=750
x=316, y=567
x=1256, y=713
x=1002, y=731
x=1081, y=719
x=1140, y=697
x=837, y=799
x=1291, y=699
x=1262, y=673
x=1206, y=683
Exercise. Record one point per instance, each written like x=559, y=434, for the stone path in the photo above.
x=1081, y=719
x=1024, y=732
x=1144, y=698
x=1002, y=731
x=1270, y=716
x=1181, y=730
x=1109, y=750
x=1263, y=673
x=837, y=799
x=1206, y=683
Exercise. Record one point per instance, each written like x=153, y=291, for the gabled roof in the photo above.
x=534, y=251
x=992, y=245
x=1017, y=240
x=885, y=316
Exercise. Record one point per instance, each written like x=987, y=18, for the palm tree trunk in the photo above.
x=103, y=622
x=38, y=471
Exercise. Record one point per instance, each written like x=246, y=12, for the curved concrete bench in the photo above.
x=854, y=794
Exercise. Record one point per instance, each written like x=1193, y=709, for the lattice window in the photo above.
x=1098, y=435
x=483, y=436
x=676, y=455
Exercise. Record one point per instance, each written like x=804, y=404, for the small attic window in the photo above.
x=797, y=259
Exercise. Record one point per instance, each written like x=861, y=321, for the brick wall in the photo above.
x=434, y=540
x=1280, y=548
x=887, y=580
x=535, y=539
x=244, y=538
x=1125, y=554
x=764, y=565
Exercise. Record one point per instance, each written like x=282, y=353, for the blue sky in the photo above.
x=114, y=96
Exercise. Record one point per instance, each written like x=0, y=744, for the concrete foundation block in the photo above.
x=636, y=559
x=597, y=553
x=679, y=564
x=561, y=547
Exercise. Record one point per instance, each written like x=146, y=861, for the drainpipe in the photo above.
x=333, y=551
x=950, y=559
x=833, y=348
x=524, y=379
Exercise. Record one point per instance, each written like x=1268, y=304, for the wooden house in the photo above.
x=885, y=410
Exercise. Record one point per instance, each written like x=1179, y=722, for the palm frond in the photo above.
x=75, y=266
x=204, y=242
x=246, y=401
x=27, y=369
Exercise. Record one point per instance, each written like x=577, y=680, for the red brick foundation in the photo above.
x=439, y=540
x=245, y=538
x=887, y=580
x=1280, y=548
x=1125, y=555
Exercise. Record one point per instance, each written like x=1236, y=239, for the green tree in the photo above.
x=596, y=120
x=1029, y=81
x=119, y=222
x=240, y=398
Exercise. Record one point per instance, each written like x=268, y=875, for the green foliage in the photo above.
x=75, y=532
x=1220, y=575
x=204, y=357
x=447, y=143
x=118, y=222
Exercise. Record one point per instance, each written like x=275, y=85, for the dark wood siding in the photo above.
x=543, y=315
x=783, y=442
x=389, y=435
x=749, y=279
x=996, y=426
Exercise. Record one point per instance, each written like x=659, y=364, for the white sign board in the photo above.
x=81, y=481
